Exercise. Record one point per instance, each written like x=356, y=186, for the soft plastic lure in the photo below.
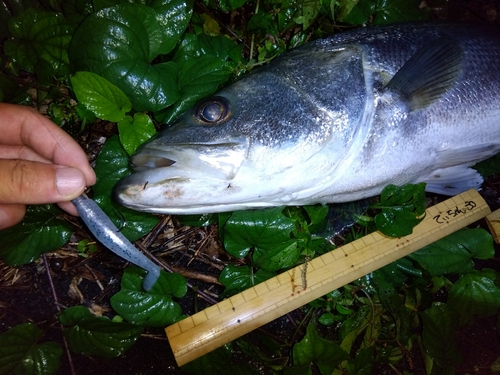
x=110, y=236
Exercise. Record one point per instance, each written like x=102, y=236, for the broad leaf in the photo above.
x=42, y=230
x=119, y=43
x=363, y=362
x=149, y=309
x=97, y=336
x=402, y=209
x=21, y=354
x=327, y=355
x=172, y=15
x=438, y=336
x=39, y=35
x=475, y=294
x=237, y=279
x=197, y=79
x=454, y=253
x=100, y=96
x=134, y=132
x=111, y=166
x=267, y=232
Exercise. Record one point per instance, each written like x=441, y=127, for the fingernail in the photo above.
x=69, y=181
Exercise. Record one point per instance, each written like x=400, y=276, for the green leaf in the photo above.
x=237, y=279
x=97, y=336
x=198, y=78
x=402, y=209
x=20, y=353
x=149, y=309
x=489, y=166
x=111, y=166
x=11, y=91
x=353, y=326
x=359, y=13
x=100, y=96
x=42, y=230
x=327, y=355
x=134, y=132
x=172, y=15
x=267, y=232
x=475, y=294
x=363, y=362
x=327, y=319
x=119, y=43
x=454, y=253
x=440, y=323
x=39, y=35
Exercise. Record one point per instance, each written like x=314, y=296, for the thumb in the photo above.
x=30, y=182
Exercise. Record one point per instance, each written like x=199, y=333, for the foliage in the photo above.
x=149, y=309
x=20, y=352
x=134, y=62
x=97, y=336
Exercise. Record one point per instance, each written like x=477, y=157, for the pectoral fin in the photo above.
x=429, y=73
x=453, y=180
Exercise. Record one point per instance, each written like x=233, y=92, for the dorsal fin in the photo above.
x=429, y=73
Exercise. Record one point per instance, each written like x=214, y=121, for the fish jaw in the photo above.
x=162, y=173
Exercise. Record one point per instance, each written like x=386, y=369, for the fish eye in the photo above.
x=213, y=111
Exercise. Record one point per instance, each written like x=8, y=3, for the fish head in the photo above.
x=256, y=143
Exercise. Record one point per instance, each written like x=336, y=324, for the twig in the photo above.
x=56, y=303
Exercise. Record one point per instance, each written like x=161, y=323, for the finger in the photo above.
x=69, y=208
x=11, y=214
x=20, y=125
x=28, y=182
x=20, y=152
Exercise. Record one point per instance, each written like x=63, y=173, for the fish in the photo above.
x=335, y=120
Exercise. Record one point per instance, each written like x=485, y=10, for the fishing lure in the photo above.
x=110, y=236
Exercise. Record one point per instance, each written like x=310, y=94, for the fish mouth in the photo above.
x=214, y=160
x=175, y=172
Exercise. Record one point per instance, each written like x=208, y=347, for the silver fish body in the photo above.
x=333, y=121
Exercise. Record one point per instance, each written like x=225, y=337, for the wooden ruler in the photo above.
x=227, y=320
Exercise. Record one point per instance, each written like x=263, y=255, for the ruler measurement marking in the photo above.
x=283, y=293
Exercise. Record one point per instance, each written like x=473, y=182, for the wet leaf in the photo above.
x=475, y=294
x=172, y=15
x=237, y=279
x=100, y=96
x=198, y=78
x=134, y=132
x=402, y=209
x=357, y=12
x=439, y=334
x=43, y=229
x=454, y=254
x=39, y=35
x=21, y=354
x=111, y=166
x=149, y=309
x=267, y=232
x=97, y=336
x=119, y=43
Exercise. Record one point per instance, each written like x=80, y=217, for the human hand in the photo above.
x=39, y=163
